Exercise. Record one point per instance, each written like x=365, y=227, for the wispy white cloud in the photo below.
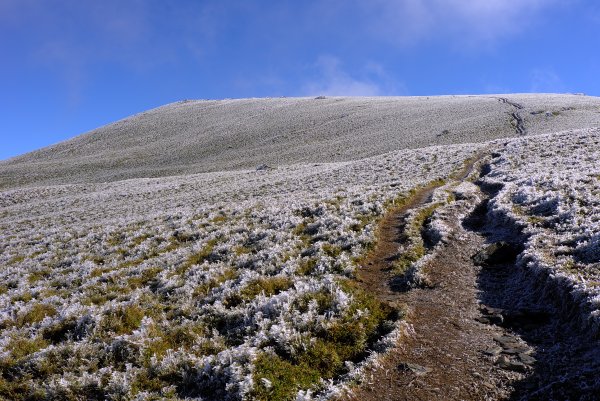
x=546, y=81
x=465, y=22
x=333, y=80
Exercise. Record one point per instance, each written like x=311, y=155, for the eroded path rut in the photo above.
x=467, y=341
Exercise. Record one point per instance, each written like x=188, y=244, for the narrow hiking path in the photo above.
x=469, y=339
x=442, y=359
x=516, y=119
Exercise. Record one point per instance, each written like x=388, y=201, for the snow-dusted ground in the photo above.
x=207, y=136
x=211, y=284
x=551, y=188
x=98, y=278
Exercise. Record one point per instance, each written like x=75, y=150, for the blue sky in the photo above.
x=69, y=66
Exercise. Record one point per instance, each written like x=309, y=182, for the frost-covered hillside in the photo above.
x=224, y=267
x=197, y=285
x=207, y=136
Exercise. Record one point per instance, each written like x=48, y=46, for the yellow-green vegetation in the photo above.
x=36, y=314
x=172, y=338
x=198, y=257
x=22, y=347
x=12, y=385
x=363, y=221
x=97, y=272
x=219, y=219
x=16, y=259
x=323, y=300
x=123, y=320
x=115, y=238
x=38, y=275
x=332, y=250
x=204, y=289
x=535, y=220
x=269, y=286
x=24, y=297
x=416, y=249
x=300, y=230
x=97, y=297
x=144, y=277
x=323, y=356
x=284, y=378
x=189, y=337
x=306, y=267
x=242, y=250
x=137, y=241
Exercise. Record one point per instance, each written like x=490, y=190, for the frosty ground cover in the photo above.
x=222, y=285
x=240, y=284
x=551, y=190
x=198, y=136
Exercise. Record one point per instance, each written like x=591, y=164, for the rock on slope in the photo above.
x=204, y=136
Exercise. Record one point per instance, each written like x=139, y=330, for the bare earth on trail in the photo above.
x=443, y=359
x=466, y=337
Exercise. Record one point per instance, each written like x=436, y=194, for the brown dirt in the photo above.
x=444, y=358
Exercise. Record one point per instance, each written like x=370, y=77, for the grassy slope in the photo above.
x=202, y=136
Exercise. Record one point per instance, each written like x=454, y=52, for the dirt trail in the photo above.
x=443, y=359
x=469, y=341
x=482, y=328
x=517, y=119
x=376, y=271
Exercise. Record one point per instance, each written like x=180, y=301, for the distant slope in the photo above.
x=202, y=136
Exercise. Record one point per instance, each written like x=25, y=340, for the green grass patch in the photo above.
x=38, y=275
x=198, y=257
x=306, y=267
x=24, y=297
x=123, y=320
x=269, y=286
x=145, y=277
x=331, y=250
x=324, y=355
x=16, y=259
x=36, y=314
x=284, y=378
x=205, y=288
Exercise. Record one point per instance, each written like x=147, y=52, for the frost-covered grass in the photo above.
x=226, y=285
x=215, y=135
x=551, y=189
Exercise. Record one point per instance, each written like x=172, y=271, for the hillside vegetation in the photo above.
x=210, y=249
x=216, y=135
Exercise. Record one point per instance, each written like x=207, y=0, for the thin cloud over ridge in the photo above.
x=409, y=22
x=334, y=80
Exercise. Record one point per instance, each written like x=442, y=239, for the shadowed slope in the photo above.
x=202, y=136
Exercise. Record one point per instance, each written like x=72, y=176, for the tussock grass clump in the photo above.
x=416, y=247
x=36, y=314
x=267, y=286
x=204, y=289
x=198, y=257
x=282, y=374
x=123, y=320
